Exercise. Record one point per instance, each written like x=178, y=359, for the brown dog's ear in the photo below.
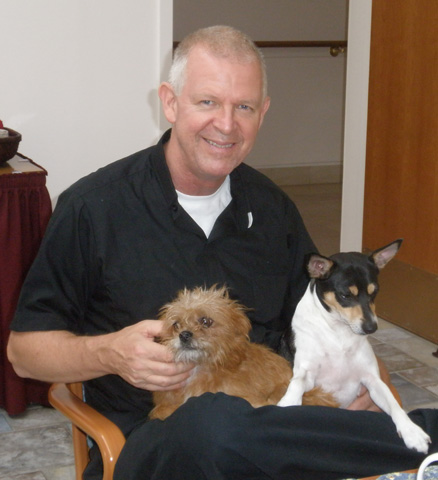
x=383, y=255
x=319, y=266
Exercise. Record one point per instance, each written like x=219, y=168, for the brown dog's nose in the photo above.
x=185, y=336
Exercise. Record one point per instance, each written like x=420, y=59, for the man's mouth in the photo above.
x=219, y=145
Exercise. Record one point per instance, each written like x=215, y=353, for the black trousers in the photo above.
x=217, y=437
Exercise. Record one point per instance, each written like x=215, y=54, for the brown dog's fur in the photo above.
x=211, y=330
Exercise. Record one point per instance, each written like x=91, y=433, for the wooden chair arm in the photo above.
x=89, y=421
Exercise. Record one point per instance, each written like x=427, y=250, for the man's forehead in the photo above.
x=201, y=54
x=204, y=67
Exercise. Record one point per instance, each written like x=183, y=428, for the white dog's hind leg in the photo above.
x=413, y=436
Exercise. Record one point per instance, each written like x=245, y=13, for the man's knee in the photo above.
x=193, y=440
x=207, y=423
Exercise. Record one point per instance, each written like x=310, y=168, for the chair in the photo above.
x=86, y=421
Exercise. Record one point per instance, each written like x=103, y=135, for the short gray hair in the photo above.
x=221, y=41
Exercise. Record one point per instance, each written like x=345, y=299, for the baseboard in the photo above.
x=409, y=298
x=301, y=175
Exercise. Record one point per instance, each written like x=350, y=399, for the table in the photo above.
x=25, y=209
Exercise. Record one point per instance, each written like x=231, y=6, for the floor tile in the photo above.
x=433, y=389
x=374, y=341
x=412, y=396
x=60, y=473
x=35, y=416
x=384, y=350
x=4, y=425
x=400, y=361
x=25, y=476
x=423, y=376
x=31, y=450
x=421, y=349
x=389, y=335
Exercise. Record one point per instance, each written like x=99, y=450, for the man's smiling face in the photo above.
x=215, y=120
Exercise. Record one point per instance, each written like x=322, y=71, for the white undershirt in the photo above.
x=204, y=209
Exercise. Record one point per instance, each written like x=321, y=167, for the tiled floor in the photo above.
x=37, y=444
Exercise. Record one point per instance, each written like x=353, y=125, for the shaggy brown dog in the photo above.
x=207, y=328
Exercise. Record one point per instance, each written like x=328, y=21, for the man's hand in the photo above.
x=133, y=354
x=364, y=402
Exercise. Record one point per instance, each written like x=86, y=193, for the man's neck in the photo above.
x=188, y=183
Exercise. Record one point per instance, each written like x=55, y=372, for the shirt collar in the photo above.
x=240, y=203
x=159, y=165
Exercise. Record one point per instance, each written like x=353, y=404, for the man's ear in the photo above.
x=168, y=101
x=265, y=107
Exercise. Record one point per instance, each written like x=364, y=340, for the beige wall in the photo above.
x=265, y=19
x=78, y=80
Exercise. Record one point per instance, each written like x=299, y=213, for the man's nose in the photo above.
x=224, y=120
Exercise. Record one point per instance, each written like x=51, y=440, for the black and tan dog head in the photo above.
x=347, y=284
x=205, y=326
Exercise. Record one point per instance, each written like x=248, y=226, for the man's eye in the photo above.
x=244, y=107
x=207, y=102
x=205, y=322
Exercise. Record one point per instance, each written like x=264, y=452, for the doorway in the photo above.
x=301, y=141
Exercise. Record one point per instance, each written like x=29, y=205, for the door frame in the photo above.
x=355, y=126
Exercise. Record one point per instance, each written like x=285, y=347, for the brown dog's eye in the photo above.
x=205, y=322
x=176, y=326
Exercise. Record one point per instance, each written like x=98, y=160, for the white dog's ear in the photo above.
x=319, y=266
x=383, y=255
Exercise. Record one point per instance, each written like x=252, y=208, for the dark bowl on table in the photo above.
x=9, y=145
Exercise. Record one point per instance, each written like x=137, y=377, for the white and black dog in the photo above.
x=329, y=336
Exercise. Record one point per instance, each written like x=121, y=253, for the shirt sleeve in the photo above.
x=54, y=293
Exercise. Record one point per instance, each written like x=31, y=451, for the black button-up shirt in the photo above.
x=119, y=246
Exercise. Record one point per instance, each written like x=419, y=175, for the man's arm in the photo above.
x=132, y=353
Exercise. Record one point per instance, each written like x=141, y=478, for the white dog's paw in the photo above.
x=290, y=400
x=414, y=437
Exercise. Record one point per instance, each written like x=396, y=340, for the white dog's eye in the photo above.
x=345, y=296
x=206, y=322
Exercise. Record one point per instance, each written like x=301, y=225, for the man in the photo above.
x=184, y=213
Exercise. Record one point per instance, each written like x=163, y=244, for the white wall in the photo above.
x=304, y=125
x=79, y=78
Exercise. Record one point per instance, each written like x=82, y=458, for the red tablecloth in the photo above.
x=25, y=209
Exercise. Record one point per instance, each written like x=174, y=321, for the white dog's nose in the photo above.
x=369, y=326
